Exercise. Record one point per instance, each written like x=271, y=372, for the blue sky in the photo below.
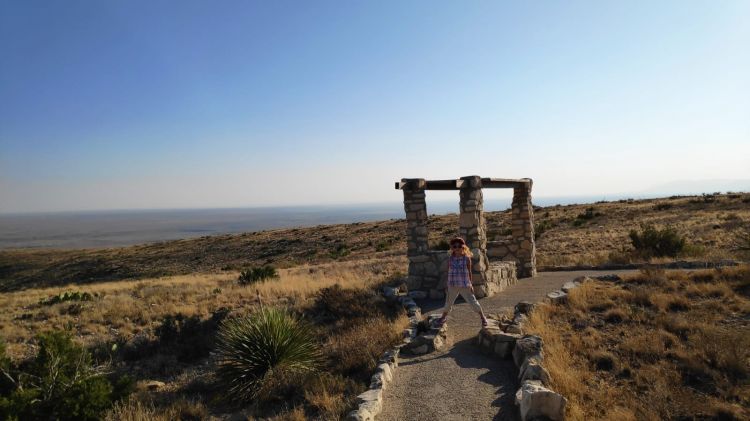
x=156, y=104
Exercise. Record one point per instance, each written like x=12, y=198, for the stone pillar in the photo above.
x=523, y=230
x=473, y=228
x=416, y=216
x=471, y=223
x=416, y=231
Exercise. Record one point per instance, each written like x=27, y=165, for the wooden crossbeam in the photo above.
x=500, y=183
x=497, y=183
x=444, y=184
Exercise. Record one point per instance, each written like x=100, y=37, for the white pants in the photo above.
x=466, y=292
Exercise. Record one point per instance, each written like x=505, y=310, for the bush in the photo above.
x=188, y=338
x=66, y=296
x=184, y=338
x=59, y=383
x=383, y=245
x=346, y=307
x=541, y=227
x=255, y=350
x=253, y=275
x=341, y=250
x=586, y=216
x=652, y=242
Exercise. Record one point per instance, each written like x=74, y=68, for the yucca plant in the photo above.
x=253, y=350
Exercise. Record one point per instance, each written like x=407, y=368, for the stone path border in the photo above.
x=463, y=382
x=504, y=339
x=420, y=337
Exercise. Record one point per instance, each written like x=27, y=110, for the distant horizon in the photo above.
x=442, y=201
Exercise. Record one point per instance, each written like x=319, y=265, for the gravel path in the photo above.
x=458, y=382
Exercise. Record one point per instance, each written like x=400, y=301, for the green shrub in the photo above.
x=253, y=275
x=186, y=338
x=66, y=296
x=384, y=245
x=341, y=250
x=653, y=242
x=541, y=227
x=59, y=383
x=589, y=214
x=255, y=350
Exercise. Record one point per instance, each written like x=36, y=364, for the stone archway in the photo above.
x=495, y=264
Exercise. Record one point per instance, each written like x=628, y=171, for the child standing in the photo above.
x=459, y=279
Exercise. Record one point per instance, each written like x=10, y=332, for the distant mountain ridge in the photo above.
x=686, y=187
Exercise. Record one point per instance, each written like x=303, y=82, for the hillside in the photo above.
x=715, y=226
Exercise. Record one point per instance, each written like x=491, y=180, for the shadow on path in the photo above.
x=493, y=379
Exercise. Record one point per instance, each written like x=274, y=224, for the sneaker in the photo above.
x=440, y=322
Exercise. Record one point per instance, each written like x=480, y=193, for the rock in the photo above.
x=532, y=370
x=524, y=307
x=503, y=349
x=390, y=292
x=571, y=285
x=584, y=279
x=535, y=400
x=390, y=357
x=557, y=297
x=526, y=347
x=417, y=295
x=514, y=328
x=377, y=381
x=410, y=333
x=387, y=372
x=419, y=350
x=611, y=278
x=370, y=404
x=504, y=344
x=520, y=319
x=413, y=310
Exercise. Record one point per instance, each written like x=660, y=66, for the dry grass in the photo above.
x=659, y=345
x=126, y=311
x=122, y=309
x=135, y=409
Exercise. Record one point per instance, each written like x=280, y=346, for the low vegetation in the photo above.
x=165, y=330
x=60, y=382
x=653, y=242
x=255, y=350
x=658, y=345
x=253, y=275
x=709, y=225
x=155, y=312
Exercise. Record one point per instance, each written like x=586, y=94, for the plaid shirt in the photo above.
x=458, y=273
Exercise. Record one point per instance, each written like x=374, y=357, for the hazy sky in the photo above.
x=153, y=104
